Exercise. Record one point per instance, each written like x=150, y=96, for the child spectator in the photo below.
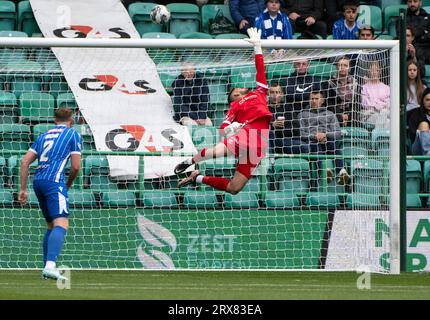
x=273, y=23
x=347, y=27
x=415, y=85
x=419, y=126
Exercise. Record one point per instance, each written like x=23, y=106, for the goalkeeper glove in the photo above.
x=233, y=128
x=254, y=38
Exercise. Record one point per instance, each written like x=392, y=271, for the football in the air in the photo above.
x=160, y=14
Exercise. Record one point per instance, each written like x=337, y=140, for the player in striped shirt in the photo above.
x=247, y=129
x=347, y=28
x=52, y=150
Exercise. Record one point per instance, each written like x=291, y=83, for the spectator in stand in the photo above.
x=419, y=20
x=419, y=126
x=347, y=27
x=415, y=85
x=375, y=97
x=299, y=85
x=414, y=53
x=333, y=12
x=284, y=134
x=273, y=23
x=320, y=129
x=191, y=97
x=343, y=98
x=244, y=13
x=366, y=32
x=306, y=16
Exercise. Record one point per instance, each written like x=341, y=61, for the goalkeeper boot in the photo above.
x=52, y=273
x=184, y=165
x=191, y=179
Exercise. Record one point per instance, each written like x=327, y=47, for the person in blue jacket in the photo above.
x=244, y=13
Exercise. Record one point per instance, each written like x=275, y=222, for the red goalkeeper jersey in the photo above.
x=252, y=109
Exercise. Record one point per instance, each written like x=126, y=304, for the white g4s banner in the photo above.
x=118, y=91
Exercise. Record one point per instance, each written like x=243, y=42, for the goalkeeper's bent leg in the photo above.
x=233, y=186
x=220, y=150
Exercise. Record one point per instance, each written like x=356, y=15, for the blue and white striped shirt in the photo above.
x=274, y=28
x=342, y=32
x=53, y=148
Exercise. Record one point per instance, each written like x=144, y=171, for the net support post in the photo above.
x=141, y=174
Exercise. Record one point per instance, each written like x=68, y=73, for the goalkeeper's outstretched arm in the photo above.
x=254, y=38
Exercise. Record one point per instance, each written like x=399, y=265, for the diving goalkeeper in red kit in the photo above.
x=246, y=128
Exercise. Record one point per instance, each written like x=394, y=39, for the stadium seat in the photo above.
x=368, y=177
x=413, y=176
x=24, y=76
x=242, y=200
x=67, y=100
x=6, y=198
x=323, y=70
x=243, y=77
x=279, y=72
x=184, y=17
x=118, y=198
x=204, y=136
x=351, y=152
x=370, y=15
x=322, y=199
x=84, y=130
x=97, y=173
x=231, y=36
x=14, y=137
x=281, y=200
x=220, y=167
x=158, y=35
x=3, y=173
x=381, y=141
x=363, y=201
x=8, y=107
x=26, y=21
x=53, y=79
x=200, y=199
x=253, y=185
x=384, y=37
x=7, y=15
x=209, y=12
x=427, y=70
x=159, y=199
x=355, y=137
x=413, y=201
x=41, y=128
x=140, y=16
x=195, y=35
x=81, y=198
x=292, y=175
x=390, y=16
x=36, y=107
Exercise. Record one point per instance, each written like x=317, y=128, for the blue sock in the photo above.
x=55, y=243
x=45, y=245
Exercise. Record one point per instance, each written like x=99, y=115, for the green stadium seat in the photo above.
x=97, y=174
x=210, y=11
x=243, y=77
x=242, y=200
x=426, y=3
x=219, y=167
x=24, y=76
x=14, y=137
x=368, y=177
x=200, y=199
x=12, y=54
x=381, y=141
x=81, y=198
x=281, y=200
x=231, y=36
x=391, y=13
x=426, y=175
x=184, y=17
x=41, y=128
x=6, y=198
x=322, y=199
x=386, y=3
x=384, y=37
x=355, y=137
x=66, y=100
x=159, y=199
x=358, y=152
x=26, y=20
x=292, y=175
x=427, y=68
x=36, y=107
x=8, y=107
x=13, y=34
x=7, y=16
x=323, y=70
x=363, y=201
x=140, y=16
x=3, y=173
x=118, y=198
x=195, y=35
x=219, y=114
x=253, y=185
x=370, y=15
x=413, y=201
x=42, y=55
x=413, y=176
x=84, y=130
x=204, y=136
x=158, y=35
x=53, y=79
x=279, y=72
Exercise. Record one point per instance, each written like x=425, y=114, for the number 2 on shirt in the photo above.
x=46, y=147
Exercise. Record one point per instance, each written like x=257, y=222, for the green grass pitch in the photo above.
x=176, y=285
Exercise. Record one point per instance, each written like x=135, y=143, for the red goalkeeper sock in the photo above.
x=217, y=183
x=201, y=154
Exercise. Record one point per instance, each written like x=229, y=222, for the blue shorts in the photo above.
x=53, y=199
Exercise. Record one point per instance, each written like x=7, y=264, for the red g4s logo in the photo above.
x=107, y=82
x=136, y=134
x=76, y=31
